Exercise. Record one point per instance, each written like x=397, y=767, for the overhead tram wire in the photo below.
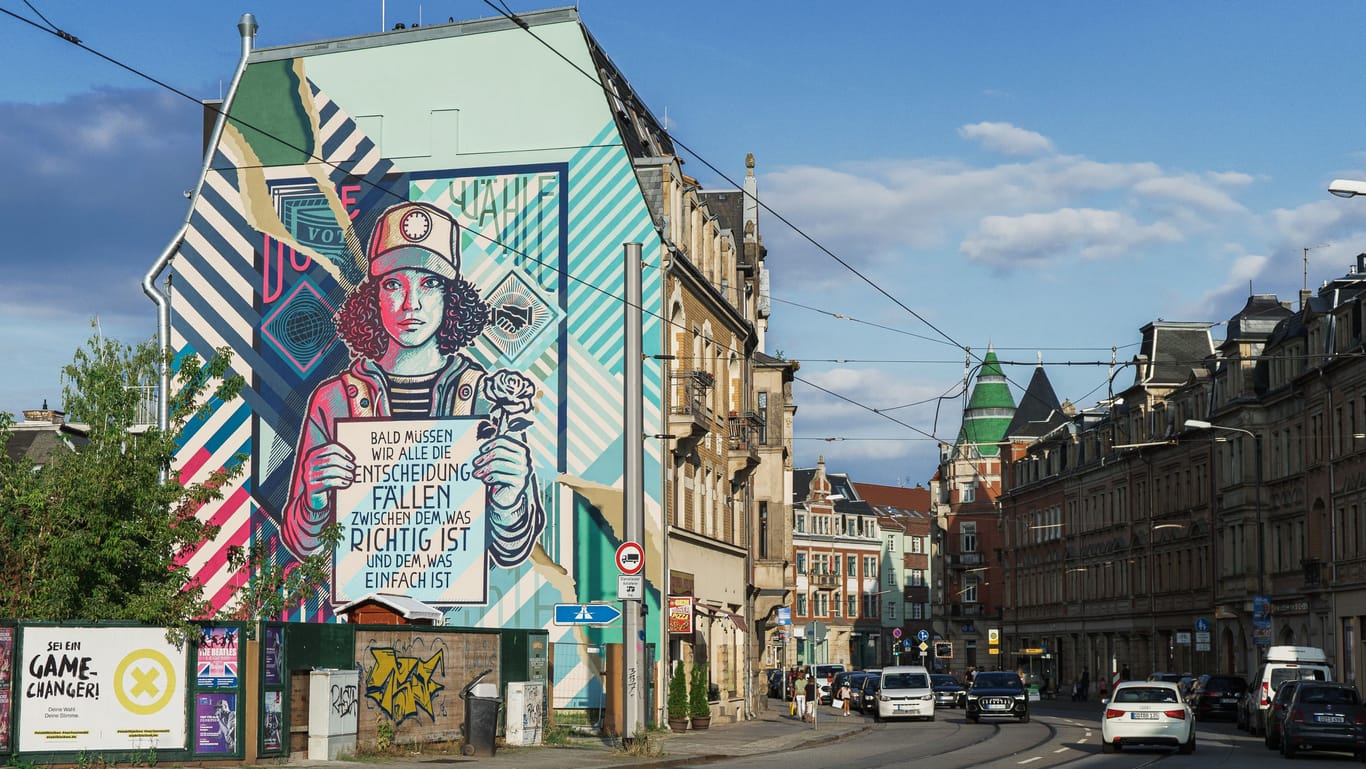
x=57, y=32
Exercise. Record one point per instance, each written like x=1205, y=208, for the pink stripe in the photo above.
x=225, y=593
x=193, y=464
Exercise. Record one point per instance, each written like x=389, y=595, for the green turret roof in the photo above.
x=989, y=410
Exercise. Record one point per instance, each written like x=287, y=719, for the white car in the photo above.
x=905, y=693
x=1147, y=713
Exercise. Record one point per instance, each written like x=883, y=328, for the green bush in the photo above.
x=697, y=693
x=678, y=692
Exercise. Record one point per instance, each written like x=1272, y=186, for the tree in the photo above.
x=697, y=693
x=106, y=531
x=678, y=692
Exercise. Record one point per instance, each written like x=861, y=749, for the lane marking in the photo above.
x=1062, y=750
x=1031, y=760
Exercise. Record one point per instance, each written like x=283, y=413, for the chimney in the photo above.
x=44, y=415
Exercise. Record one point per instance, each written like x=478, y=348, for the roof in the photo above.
x=410, y=608
x=39, y=442
x=1172, y=349
x=1039, y=412
x=896, y=497
x=990, y=409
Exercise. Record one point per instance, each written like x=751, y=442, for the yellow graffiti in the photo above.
x=400, y=686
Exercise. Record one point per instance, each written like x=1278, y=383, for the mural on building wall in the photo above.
x=403, y=686
x=433, y=356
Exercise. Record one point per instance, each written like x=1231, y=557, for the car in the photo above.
x=1283, y=663
x=1174, y=678
x=1147, y=713
x=1324, y=716
x=823, y=674
x=1216, y=696
x=905, y=693
x=776, y=679
x=997, y=694
x=948, y=691
x=866, y=702
x=1276, y=713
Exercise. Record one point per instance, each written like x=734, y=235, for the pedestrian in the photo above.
x=799, y=693
x=1085, y=684
x=1124, y=673
x=812, y=693
x=845, y=695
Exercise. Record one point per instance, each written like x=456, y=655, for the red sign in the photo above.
x=630, y=558
x=680, y=614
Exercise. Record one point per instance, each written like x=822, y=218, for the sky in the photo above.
x=1039, y=178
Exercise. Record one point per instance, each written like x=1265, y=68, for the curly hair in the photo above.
x=363, y=331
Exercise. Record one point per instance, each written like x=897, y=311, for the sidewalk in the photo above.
x=770, y=732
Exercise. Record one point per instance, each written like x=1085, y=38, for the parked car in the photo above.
x=823, y=674
x=997, y=694
x=1324, y=716
x=1283, y=663
x=775, y=683
x=1216, y=696
x=905, y=693
x=948, y=691
x=1276, y=713
x=1147, y=713
x=868, y=690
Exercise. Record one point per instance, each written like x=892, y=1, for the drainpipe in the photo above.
x=247, y=28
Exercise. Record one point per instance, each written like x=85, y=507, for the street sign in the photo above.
x=943, y=649
x=923, y=635
x=784, y=615
x=630, y=587
x=993, y=636
x=1183, y=638
x=896, y=632
x=1202, y=640
x=1202, y=625
x=630, y=558
x=924, y=647
x=586, y=613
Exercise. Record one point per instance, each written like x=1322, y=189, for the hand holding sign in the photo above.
x=504, y=464
x=326, y=467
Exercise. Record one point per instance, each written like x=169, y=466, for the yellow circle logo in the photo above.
x=144, y=682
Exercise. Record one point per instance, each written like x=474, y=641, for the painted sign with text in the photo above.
x=100, y=689
x=412, y=521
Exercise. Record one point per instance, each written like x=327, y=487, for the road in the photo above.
x=1058, y=734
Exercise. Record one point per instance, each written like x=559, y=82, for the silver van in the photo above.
x=905, y=693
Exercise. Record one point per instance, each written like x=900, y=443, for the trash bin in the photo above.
x=481, y=718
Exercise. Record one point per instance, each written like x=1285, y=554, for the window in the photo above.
x=968, y=532
x=968, y=493
x=801, y=563
x=851, y=566
x=917, y=578
x=835, y=605
x=763, y=418
x=917, y=611
x=917, y=544
x=822, y=604
x=870, y=566
x=969, y=590
x=891, y=610
x=763, y=529
x=853, y=607
x=800, y=526
x=801, y=606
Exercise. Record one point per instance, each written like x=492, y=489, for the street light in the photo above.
x=1347, y=188
x=1200, y=424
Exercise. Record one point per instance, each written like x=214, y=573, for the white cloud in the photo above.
x=1007, y=241
x=1188, y=192
x=1007, y=139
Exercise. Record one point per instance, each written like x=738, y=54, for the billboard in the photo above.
x=100, y=689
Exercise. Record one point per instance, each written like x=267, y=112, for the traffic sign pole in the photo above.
x=633, y=487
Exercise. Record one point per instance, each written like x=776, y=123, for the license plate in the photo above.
x=995, y=706
x=1143, y=715
x=904, y=707
x=1229, y=700
x=1330, y=719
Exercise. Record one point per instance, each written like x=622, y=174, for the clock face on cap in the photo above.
x=416, y=225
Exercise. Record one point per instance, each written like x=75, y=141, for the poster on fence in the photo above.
x=106, y=688
x=6, y=665
x=215, y=717
x=217, y=658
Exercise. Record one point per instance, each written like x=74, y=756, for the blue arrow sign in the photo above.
x=923, y=635
x=586, y=613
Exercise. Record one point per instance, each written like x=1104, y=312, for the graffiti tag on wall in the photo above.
x=403, y=686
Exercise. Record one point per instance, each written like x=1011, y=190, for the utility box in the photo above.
x=525, y=713
x=333, y=713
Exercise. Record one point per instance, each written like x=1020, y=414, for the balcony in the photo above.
x=1313, y=572
x=690, y=415
x=965, y=610
x=965, y=559
x=824, y=581
x=916, y=594
x=744, y=444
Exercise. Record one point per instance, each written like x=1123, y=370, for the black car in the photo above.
x=1275, y=714
x=1323, y=716
x=1216, y=696
x=868, y=689
x=948, y=692
x=997, y=695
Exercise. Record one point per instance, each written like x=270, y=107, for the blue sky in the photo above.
x=1042, y=177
